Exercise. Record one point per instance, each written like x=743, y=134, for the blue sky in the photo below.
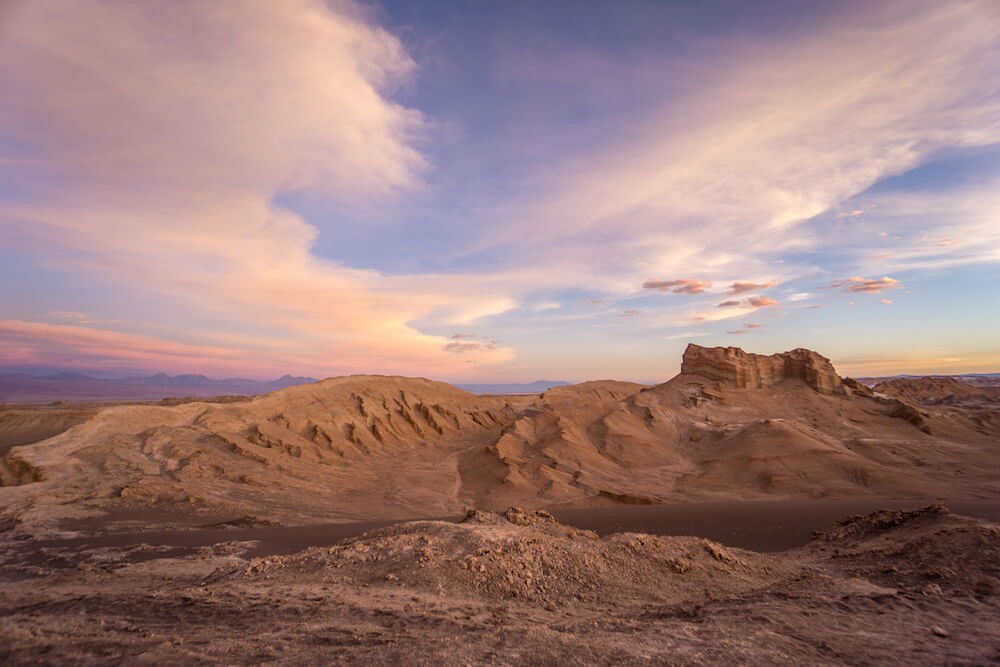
x=498, y=191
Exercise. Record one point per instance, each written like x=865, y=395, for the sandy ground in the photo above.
x=227, y=532
x=917, y=587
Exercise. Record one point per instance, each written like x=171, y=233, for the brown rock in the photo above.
x=906, y=412
x=743, y=370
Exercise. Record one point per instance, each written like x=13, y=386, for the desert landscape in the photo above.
x=572, y=332
x=372, y=519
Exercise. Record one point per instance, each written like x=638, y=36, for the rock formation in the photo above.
x=930, y=390
x=374, y=447
x=744, y=370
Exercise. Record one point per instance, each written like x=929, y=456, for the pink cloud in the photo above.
x=743, y=288
x=750, y=325
x=817, y=306
x=460, y=348
x=72, y=346
x=462, y=335
x=885, y=301
x=68, y=315
x=681, y=286
x=752, y=302
x=738, y=331
x=594, y=302
x=631, y=313
x=864, y=285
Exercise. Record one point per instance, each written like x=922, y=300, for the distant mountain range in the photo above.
x=976, y=379
x=957, y=376
x=536, y=387
x=79, y=387
x=67, y=386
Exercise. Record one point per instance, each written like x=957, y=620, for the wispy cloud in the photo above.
x=742, y=288
x=73, y=346
x=916, y=363
x=674, y=188
x=864, y=285
x=681, y=286
x=68, y=315
x=459, y=348
x=689, y=334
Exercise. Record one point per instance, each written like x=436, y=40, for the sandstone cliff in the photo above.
x=733, y=367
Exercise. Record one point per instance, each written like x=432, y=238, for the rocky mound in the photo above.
x=528, y=556
x=926, y=550
x=24, y=425
x=517, y=588
x=330, y=448
x=733, y=367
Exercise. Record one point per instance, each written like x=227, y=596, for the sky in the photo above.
x=483, y=191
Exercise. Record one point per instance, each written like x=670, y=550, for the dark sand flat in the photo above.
x=762, y=526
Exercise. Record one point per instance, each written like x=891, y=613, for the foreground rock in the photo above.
x=903, y=587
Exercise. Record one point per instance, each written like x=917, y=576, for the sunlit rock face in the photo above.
x=744, y=370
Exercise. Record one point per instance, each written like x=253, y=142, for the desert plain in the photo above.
x=753, y=510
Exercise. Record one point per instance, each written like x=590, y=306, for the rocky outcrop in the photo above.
x=929, y=390
x=857, y=387
x=744, y=370
x=906, y=412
